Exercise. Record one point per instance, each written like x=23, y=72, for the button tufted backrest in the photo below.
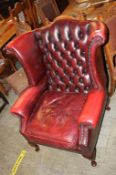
x=66, y=46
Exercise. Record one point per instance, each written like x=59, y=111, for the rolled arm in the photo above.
x=93, y=108
x=26, y=103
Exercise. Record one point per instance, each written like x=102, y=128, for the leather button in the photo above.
x=79, y=63
x=85, y=71
x=59, y=36
x=81, y=35
x=56, y=72
x=82, y=53
x=46, y=46
x=71, y=80
x=76, y=89
x=87, y=88
x=81, y=80
x=65, y=71
x=55, y=47
x=67, y=89
x=62, y=54
x=69, y=64
x=50, y=80
x=59, y=64
x=66, y=46
x=50, y=38
x=72, y=54
x=76, y=45
x=70, y=36
x=58, y=76
x=75, y=72
x=52, y=57
x=61, y=79
x=58, y=89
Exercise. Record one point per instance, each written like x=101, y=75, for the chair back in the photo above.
x=69, y=47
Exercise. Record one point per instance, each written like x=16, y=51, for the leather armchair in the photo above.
x=64, y=105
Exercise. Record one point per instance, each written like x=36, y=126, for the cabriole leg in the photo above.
x=34, y=145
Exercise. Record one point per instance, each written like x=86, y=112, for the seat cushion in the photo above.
x=54, y=121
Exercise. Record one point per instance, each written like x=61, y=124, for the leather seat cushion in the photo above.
x=55, y=119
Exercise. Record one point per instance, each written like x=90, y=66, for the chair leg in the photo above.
x=107, y=105
x=34, y=145
x=93, y=157
x=108, y=108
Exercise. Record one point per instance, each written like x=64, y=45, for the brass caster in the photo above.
x=37, y=148
x=93, y=163
x=108, y=108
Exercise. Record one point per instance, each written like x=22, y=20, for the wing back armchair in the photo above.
x=64, y=104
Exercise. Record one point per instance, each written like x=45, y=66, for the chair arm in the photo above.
x=93, y=109
x=26, y=103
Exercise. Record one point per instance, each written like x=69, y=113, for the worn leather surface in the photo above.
x=55, y=120
x=62, y=62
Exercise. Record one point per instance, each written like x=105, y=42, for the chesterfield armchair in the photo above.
x=64, y=104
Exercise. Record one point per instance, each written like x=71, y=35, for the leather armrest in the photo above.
x=93, y=108
x=26, y=103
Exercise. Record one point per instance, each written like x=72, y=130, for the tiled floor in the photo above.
x=51, y=161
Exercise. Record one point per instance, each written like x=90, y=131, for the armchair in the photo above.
x=64, y=105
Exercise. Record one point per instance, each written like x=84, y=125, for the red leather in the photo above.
x=29, y=99
x=64, y=105
x=24, y=48
x=67, y=54
x=55, y=120
x=92, y=108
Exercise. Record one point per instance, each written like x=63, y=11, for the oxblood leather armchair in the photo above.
x=64, y=105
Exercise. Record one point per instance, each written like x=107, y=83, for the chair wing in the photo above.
x=25, y=49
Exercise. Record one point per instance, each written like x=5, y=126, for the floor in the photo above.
x=49, y=161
